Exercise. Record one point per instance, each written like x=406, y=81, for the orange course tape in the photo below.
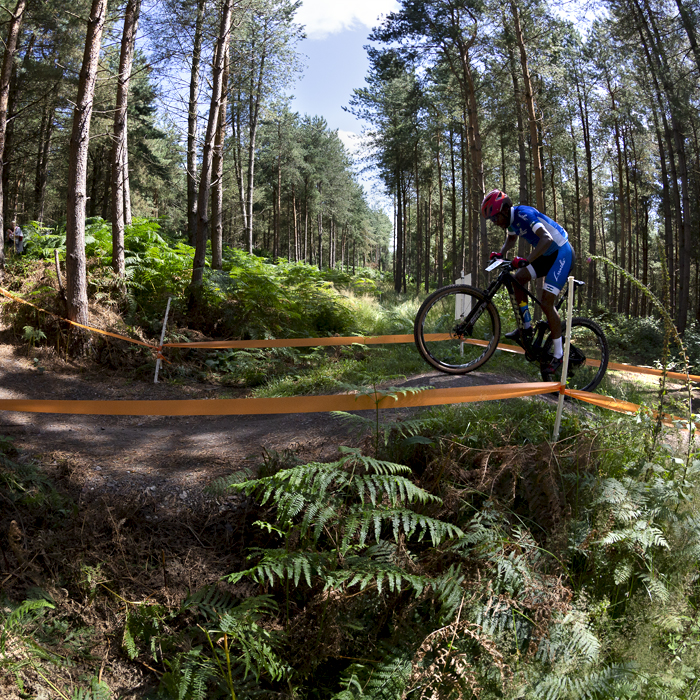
x=296, y=404
x=650, y=370
x=10, y=295
x=616, y=405
x=603, y=401
x=334, y=341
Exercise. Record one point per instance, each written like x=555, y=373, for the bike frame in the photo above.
x=505, y=279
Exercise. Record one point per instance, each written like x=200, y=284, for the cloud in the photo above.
x=350, y=140
x=324, y=17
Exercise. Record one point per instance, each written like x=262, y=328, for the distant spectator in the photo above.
x=18, y=238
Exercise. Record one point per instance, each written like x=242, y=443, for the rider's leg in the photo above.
x=523, y=276
x=555, y=277
x=548, y=301
x=550, y=311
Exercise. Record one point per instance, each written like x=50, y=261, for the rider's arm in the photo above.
x=545, y=241
x=508, y=243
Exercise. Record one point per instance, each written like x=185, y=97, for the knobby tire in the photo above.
x=587, y=339
x=438, y=316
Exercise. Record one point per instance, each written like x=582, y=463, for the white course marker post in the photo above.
x=565, y=365
x=162, y=338
x=464, y=303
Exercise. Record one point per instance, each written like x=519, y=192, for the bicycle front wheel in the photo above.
x=457, y=329
x=588, y=356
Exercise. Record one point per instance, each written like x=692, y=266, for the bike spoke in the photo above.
x=588, y=356
x=456, y=331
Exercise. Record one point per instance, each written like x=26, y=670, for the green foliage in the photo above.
x=18, y=620
x=147, y=624
x=33, y=336
x=98, y=690
x=640, y=519
x=23, y=483
x=336, y=510
x=404, y=429
x=226, y=646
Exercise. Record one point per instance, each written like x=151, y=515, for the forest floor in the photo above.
x=169, y=460
x=142, y=526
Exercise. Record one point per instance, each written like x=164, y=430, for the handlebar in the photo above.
x=499, y=262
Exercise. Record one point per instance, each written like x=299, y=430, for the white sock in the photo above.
x=558, y=351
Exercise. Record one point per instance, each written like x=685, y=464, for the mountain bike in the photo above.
x=457, y=329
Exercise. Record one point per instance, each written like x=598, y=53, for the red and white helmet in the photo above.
x=494, y=202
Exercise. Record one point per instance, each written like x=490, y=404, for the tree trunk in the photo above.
x=441, y=218
x=428, y=226
x=237, y=129
x=120, y=161
x=5, y=76
x=192, y=184
x=654, y=48
x=530, y=104
x=453, y=195
x=278, y=196
x=42, y=163
x=689, y=24
x=522, y=150
x=583, y=113
x=255, y=100
x=295, y=224
x=419, y=223
x=217, y=200
x=207, y=152
x=76, y=275
x=398, y=249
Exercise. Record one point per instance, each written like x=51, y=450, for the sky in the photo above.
x=336, y=62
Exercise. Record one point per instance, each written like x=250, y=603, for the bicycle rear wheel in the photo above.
x=457, y=329
x=588, y=356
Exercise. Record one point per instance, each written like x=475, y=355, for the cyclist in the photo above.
x=552, y=258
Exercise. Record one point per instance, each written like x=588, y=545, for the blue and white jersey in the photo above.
x=525, y=221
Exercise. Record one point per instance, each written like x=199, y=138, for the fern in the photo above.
x=20, y=617
x=361, y=571
x=642, y=517
x=386, y=680
x=584, y=685
x=146, y=624
x=98, y=690
x=449, y=592
x=188, y=675
x=255, y=645
x=280, y=565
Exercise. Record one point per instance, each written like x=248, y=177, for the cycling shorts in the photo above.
x=554, y=267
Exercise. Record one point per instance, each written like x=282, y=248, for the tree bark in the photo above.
x=76, y=275
x=255, y=99
x=585, y=125
x=656, y=57
x=192, y=183
x=5, y=76
x=120, y=160
x=453, y=197
x=42, y=162
x=222, y=43
x=398, y=250
x=217, y=200
x=441, y=217
x=530, y=104
x=689, y=24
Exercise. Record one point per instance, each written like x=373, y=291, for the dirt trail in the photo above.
x=166, y=458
